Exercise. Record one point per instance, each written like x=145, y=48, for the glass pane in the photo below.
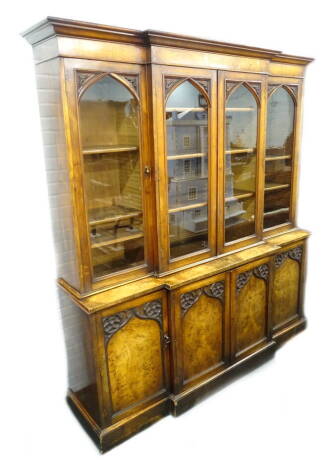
x=110, y=143
x=240, y=164
x=278, y=161
x=187, y=157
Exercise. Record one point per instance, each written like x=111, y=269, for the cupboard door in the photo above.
x=185, y=114
x=110, y=151
x=201, y=325
x=279, y=156
x=242, y=156
x=287, y=286
x=134, y=344
x=251, y=292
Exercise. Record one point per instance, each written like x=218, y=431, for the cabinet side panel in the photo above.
x=49, y=94
x=80, y=362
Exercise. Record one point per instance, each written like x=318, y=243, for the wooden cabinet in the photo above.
x=172, y=165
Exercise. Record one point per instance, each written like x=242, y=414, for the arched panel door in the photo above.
x=241, y=136
x=279, y=156
x=187, y=170
x=109, y=130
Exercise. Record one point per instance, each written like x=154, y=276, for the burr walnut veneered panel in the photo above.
x=135, y=363
x=187, y=168
x=250, y=307
x=201, y=314
x=241, y=116
x=279, y=154
x=286, y=286
x=135, y=348
x=109, y=128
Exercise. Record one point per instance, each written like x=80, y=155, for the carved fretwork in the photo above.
x=149, y=311
x=293, y=89
x=169, y=83
x=256, y=86
x=271, y=88
x=296, y=253
x=215, y=290
x=115, y=322
x=279, y=259
x=152, y=311
x=242, y=280
x=230, y=85
x=188, y=299
x=82, y=78
x=262, y=272
x=204, y=84
x=133, y=81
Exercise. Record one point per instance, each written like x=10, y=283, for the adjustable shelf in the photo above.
x=180, y=110
x=280, y=157
x=190, y=206
x=239, y=195
x=114, y=241
x=237, y=151
x=283, y=210
x=194, y=178
x=113, y=218
x=274, y=186
x=187, y=155
x=239, y=110
x=108, y=149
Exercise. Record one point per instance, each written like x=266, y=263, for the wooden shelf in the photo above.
x=237, y=151
x=180, y=110
x=240, y=110
x=283, y=210
x=114, y=241
x=113, y=149
x=239, y=195
x=275, y=186
x=194, y=178
x=106, y=220
x=280, y=157
x=187, y=155
x=190, y=206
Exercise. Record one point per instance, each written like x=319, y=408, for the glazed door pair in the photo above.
x=209, y=128
x=261, y=125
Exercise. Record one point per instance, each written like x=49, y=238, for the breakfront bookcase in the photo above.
x=172, y=165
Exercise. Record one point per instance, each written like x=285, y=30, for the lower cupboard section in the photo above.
x=162, y=351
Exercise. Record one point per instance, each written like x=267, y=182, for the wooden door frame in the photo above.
x=261, y=134
x=80, y=219
x=159, y=73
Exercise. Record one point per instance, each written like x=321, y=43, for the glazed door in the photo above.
x=133, y=355
x=281, y=154
x=185, y=137
x=200, y=322
x=241, y=135
x=250, y=308
x=288, y=284
x=113, y=163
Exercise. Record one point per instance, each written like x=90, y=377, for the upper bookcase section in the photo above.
x=149, y=40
